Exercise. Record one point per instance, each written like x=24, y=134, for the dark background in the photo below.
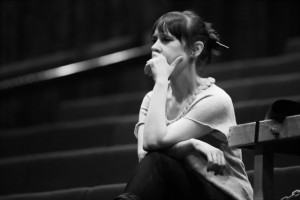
x=74, y=131
x=42, y=34
x=33, y=28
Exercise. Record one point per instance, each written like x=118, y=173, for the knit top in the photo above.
x=211, y=106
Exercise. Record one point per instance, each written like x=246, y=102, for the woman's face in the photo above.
x=169, y=46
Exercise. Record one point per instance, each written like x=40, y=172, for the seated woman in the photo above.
x=184, y=121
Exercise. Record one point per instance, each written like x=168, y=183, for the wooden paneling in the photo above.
x=33, y=28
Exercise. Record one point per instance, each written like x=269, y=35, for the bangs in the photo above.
x=174, y=23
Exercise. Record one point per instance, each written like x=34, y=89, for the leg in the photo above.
x=157, y=175
x=160, y=177
x=204, y=190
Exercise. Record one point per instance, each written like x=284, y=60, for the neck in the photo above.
x=184, y=83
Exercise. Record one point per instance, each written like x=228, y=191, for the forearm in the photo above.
x=190, y=146
x=181, y=149
x=140, y=151
x=155, y=125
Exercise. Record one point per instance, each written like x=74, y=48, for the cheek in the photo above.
x=171, y=57
x=173, y=51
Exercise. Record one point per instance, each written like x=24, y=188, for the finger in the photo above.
x=155, y=54
x=223, y=161
x=216, y=163
x=212, y=166
x=149, y=62
x=147, y=70
x=222, y=164
x=215, y=159
x=219, y=165
x=209, y=162
x=176, y=61
x=220, y=156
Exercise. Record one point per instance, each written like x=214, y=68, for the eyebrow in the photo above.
x=157, y=34
x=166, y=34
x=154, y=36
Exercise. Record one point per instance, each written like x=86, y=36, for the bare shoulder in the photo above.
x=220, y=95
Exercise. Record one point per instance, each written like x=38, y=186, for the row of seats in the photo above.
x=91, y=152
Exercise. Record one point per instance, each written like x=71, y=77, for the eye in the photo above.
x=163, y=38
x=166, y=39
x=153, y=39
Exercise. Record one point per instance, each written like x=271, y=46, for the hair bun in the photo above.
x=214, y=36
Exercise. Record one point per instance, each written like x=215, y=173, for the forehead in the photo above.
x=161, y=33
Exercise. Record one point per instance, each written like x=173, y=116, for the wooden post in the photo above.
x=263, y=172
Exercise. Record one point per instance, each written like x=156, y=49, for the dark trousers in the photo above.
x=159, y=177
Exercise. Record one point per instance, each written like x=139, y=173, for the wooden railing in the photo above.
x=266, y=138
x=15, y=76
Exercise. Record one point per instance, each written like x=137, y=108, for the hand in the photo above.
x=141, y=154
x=158, y=67
x=215, y=157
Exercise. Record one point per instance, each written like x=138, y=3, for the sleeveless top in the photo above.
x=211, y=106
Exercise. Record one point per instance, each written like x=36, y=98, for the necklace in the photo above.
x=203, y=84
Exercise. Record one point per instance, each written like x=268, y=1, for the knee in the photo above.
x=158, y=159
x=156, y=156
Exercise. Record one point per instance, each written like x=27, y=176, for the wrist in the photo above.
x=161, y=80
x=196, y=144
x=193, y=143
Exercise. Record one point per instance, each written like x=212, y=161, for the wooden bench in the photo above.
x=266, y=138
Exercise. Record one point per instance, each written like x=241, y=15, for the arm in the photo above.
x=209, y=115
x=157, y=134
x=215, y=157
x=141, y=152
x=155, y=125
x=139, y=129
x=181, y=149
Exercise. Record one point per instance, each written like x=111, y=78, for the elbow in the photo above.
x=152, y=143
x=147, y=147
x=150, y=146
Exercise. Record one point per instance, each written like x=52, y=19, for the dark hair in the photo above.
x=188, y=27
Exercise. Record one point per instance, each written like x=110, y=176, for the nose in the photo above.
x=156, y=47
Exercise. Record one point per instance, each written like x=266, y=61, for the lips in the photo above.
x=153, y=55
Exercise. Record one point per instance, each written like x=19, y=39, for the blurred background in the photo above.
x=72, y=80
x=30, y=29
x=39, y=34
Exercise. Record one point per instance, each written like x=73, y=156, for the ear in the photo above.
x=198, y=46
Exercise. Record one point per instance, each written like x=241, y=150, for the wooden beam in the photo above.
x=270, y=130
x=263, y=172
x=242, y=135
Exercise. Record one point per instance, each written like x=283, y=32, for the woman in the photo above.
x=184, y=121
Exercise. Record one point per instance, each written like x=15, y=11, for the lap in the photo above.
x=159, y=176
